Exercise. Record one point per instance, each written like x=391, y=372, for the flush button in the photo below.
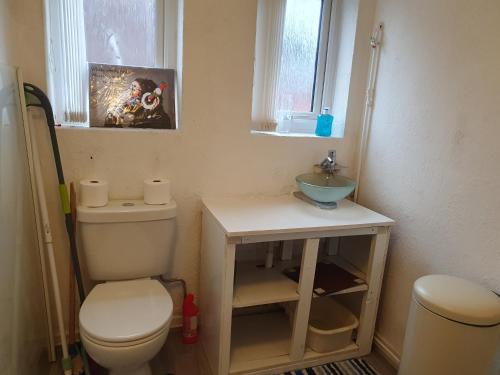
x=128, y=204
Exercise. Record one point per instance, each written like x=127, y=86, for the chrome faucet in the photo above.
x=329, y=165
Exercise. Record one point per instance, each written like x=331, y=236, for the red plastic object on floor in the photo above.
x=190, y=320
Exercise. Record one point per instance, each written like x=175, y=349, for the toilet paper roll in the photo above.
x=93, y=193
x=157, y=191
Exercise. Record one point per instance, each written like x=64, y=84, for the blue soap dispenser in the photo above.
x=324, y=124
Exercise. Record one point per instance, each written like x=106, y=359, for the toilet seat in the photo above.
x=108, y=344
x=126, y=313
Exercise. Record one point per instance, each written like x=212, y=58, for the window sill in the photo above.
x=77, y=125
x=85, y=126
x=300, y=127
x=292, y=135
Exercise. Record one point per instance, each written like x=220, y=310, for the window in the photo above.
x=302, y=46
x=297, y=74
x=120, y=32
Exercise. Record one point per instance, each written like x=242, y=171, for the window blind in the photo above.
x=270, y=29
x=67, y=62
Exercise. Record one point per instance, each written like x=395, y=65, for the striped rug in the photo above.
x=349, y=367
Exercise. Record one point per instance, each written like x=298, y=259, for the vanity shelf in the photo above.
x=243, y=328
x=331, y=279
x=258, y=338
x=346, y=265
x=256, y=285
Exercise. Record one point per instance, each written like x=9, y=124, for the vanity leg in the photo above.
x=375, y=273
x=227, y=308
x=305, y=290
x=216, y=295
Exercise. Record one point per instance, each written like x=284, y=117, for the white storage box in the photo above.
x=330, y=325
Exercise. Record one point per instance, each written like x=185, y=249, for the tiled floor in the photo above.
x=179, y=359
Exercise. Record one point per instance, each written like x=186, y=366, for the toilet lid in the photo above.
x=123, y=311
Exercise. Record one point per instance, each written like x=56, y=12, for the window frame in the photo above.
x=167, y=12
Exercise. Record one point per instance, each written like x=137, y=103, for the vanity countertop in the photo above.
x=271, y=215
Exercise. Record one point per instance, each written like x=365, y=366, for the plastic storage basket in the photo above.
x=330, y=325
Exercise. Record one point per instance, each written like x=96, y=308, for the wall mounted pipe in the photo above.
x=375, y=43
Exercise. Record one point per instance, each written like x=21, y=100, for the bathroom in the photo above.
x=429, y=163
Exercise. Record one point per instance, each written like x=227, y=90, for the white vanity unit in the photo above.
x=244, y=328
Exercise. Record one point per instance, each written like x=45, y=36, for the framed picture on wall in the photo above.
x=131, y=97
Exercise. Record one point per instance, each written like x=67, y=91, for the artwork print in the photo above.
x=131, y=97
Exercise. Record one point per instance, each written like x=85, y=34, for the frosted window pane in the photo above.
x=298, y=64
x=121, y=32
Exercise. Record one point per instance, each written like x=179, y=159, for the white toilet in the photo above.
x=124, y=321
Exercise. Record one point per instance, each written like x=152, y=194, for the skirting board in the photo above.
x=386, y=351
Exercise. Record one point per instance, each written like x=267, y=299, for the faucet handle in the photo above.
x=332, y=154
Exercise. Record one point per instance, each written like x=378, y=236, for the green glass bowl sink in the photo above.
x=324, y=187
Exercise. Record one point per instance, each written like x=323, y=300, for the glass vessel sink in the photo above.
x=325, y=187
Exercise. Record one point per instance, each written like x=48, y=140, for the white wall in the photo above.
x=434, y=151
x=214, y=152
x=23, y=330
x=22, y=38
x=23, y=326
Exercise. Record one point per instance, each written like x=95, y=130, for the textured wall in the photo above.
x=433, y=155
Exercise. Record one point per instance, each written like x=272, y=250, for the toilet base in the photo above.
x=125, y=360
x=143, y=370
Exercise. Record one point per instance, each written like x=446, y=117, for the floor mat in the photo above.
x=349, y=367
